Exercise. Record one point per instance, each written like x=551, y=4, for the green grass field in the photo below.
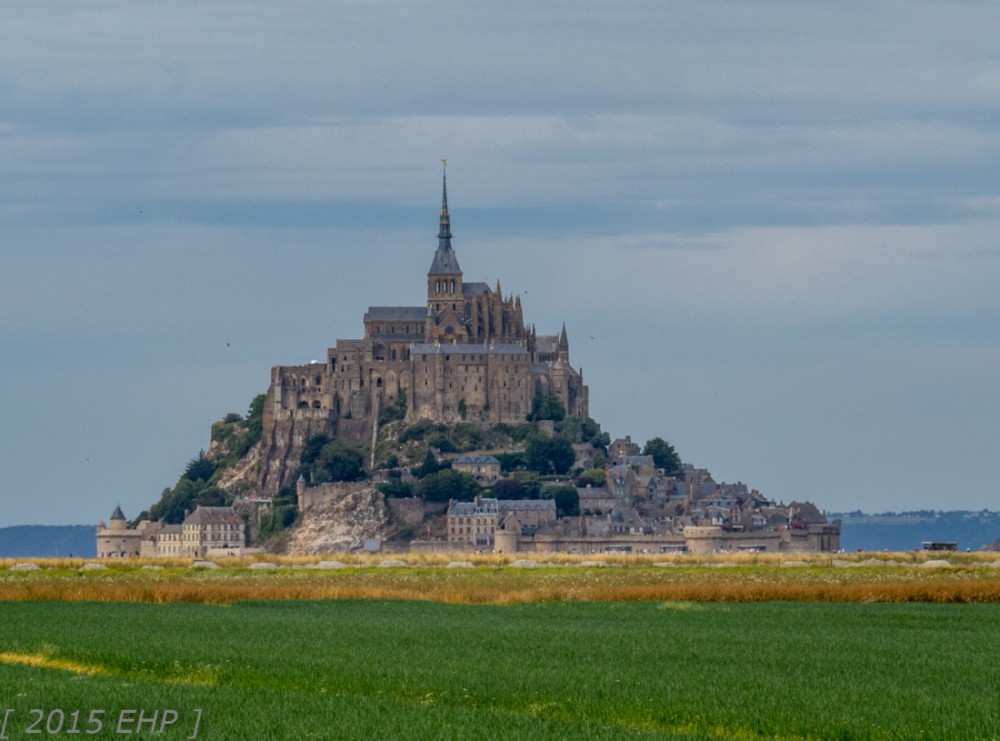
x=356, y=669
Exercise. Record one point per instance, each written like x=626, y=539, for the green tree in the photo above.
x=446, y=485
x=590, y=432
x=511, y=461
x=312, y=449
x=255, y=421
x=429, y=466
x=551, y=408
x=664, y=455
x=339, y=462
x=547, y=455
x=567, y=499
x=594, y=476
x=199, y=469
x=531, y=485
x=507, y=489
x=395, y=488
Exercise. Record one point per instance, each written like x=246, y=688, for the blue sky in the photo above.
x=771, y=227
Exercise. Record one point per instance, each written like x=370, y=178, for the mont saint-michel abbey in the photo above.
x=465, y=354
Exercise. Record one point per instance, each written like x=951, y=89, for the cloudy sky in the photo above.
x=771, y=227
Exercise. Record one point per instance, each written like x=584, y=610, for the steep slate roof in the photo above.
x=212, y=516
x=637, y=460
x=474, y=289
x=118, y=514
x=807, y=512
x=445, y=262
x=527, y=505
x=476, y=459
x=396, y=313
x=547, y=343
x=482, y=506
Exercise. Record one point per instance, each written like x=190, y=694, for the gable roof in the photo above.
x=212, y=516
x=480, y=459
x=396, y=313
x=474, y=289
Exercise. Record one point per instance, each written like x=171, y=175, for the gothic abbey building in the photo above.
x=466, y=354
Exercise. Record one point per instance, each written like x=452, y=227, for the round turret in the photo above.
x=118, y=521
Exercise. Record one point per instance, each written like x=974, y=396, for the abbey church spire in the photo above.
x=445, y=262
x=445, y=231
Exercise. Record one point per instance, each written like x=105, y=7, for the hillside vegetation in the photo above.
x=202, y=484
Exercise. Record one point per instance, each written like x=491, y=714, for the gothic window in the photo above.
x=452, y=287
x=437, y=287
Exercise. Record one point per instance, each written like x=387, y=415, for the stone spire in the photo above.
x=444, y=232
x=445, y=261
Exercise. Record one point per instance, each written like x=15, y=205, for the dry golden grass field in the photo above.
x=505, y=579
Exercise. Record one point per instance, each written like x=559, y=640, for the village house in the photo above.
x=475, y=523
x=485, y=468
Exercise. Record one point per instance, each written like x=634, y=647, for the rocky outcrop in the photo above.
x=241, y=477
x=339, y=518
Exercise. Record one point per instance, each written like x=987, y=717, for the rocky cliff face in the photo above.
x=338, y=518
x=241, y=478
